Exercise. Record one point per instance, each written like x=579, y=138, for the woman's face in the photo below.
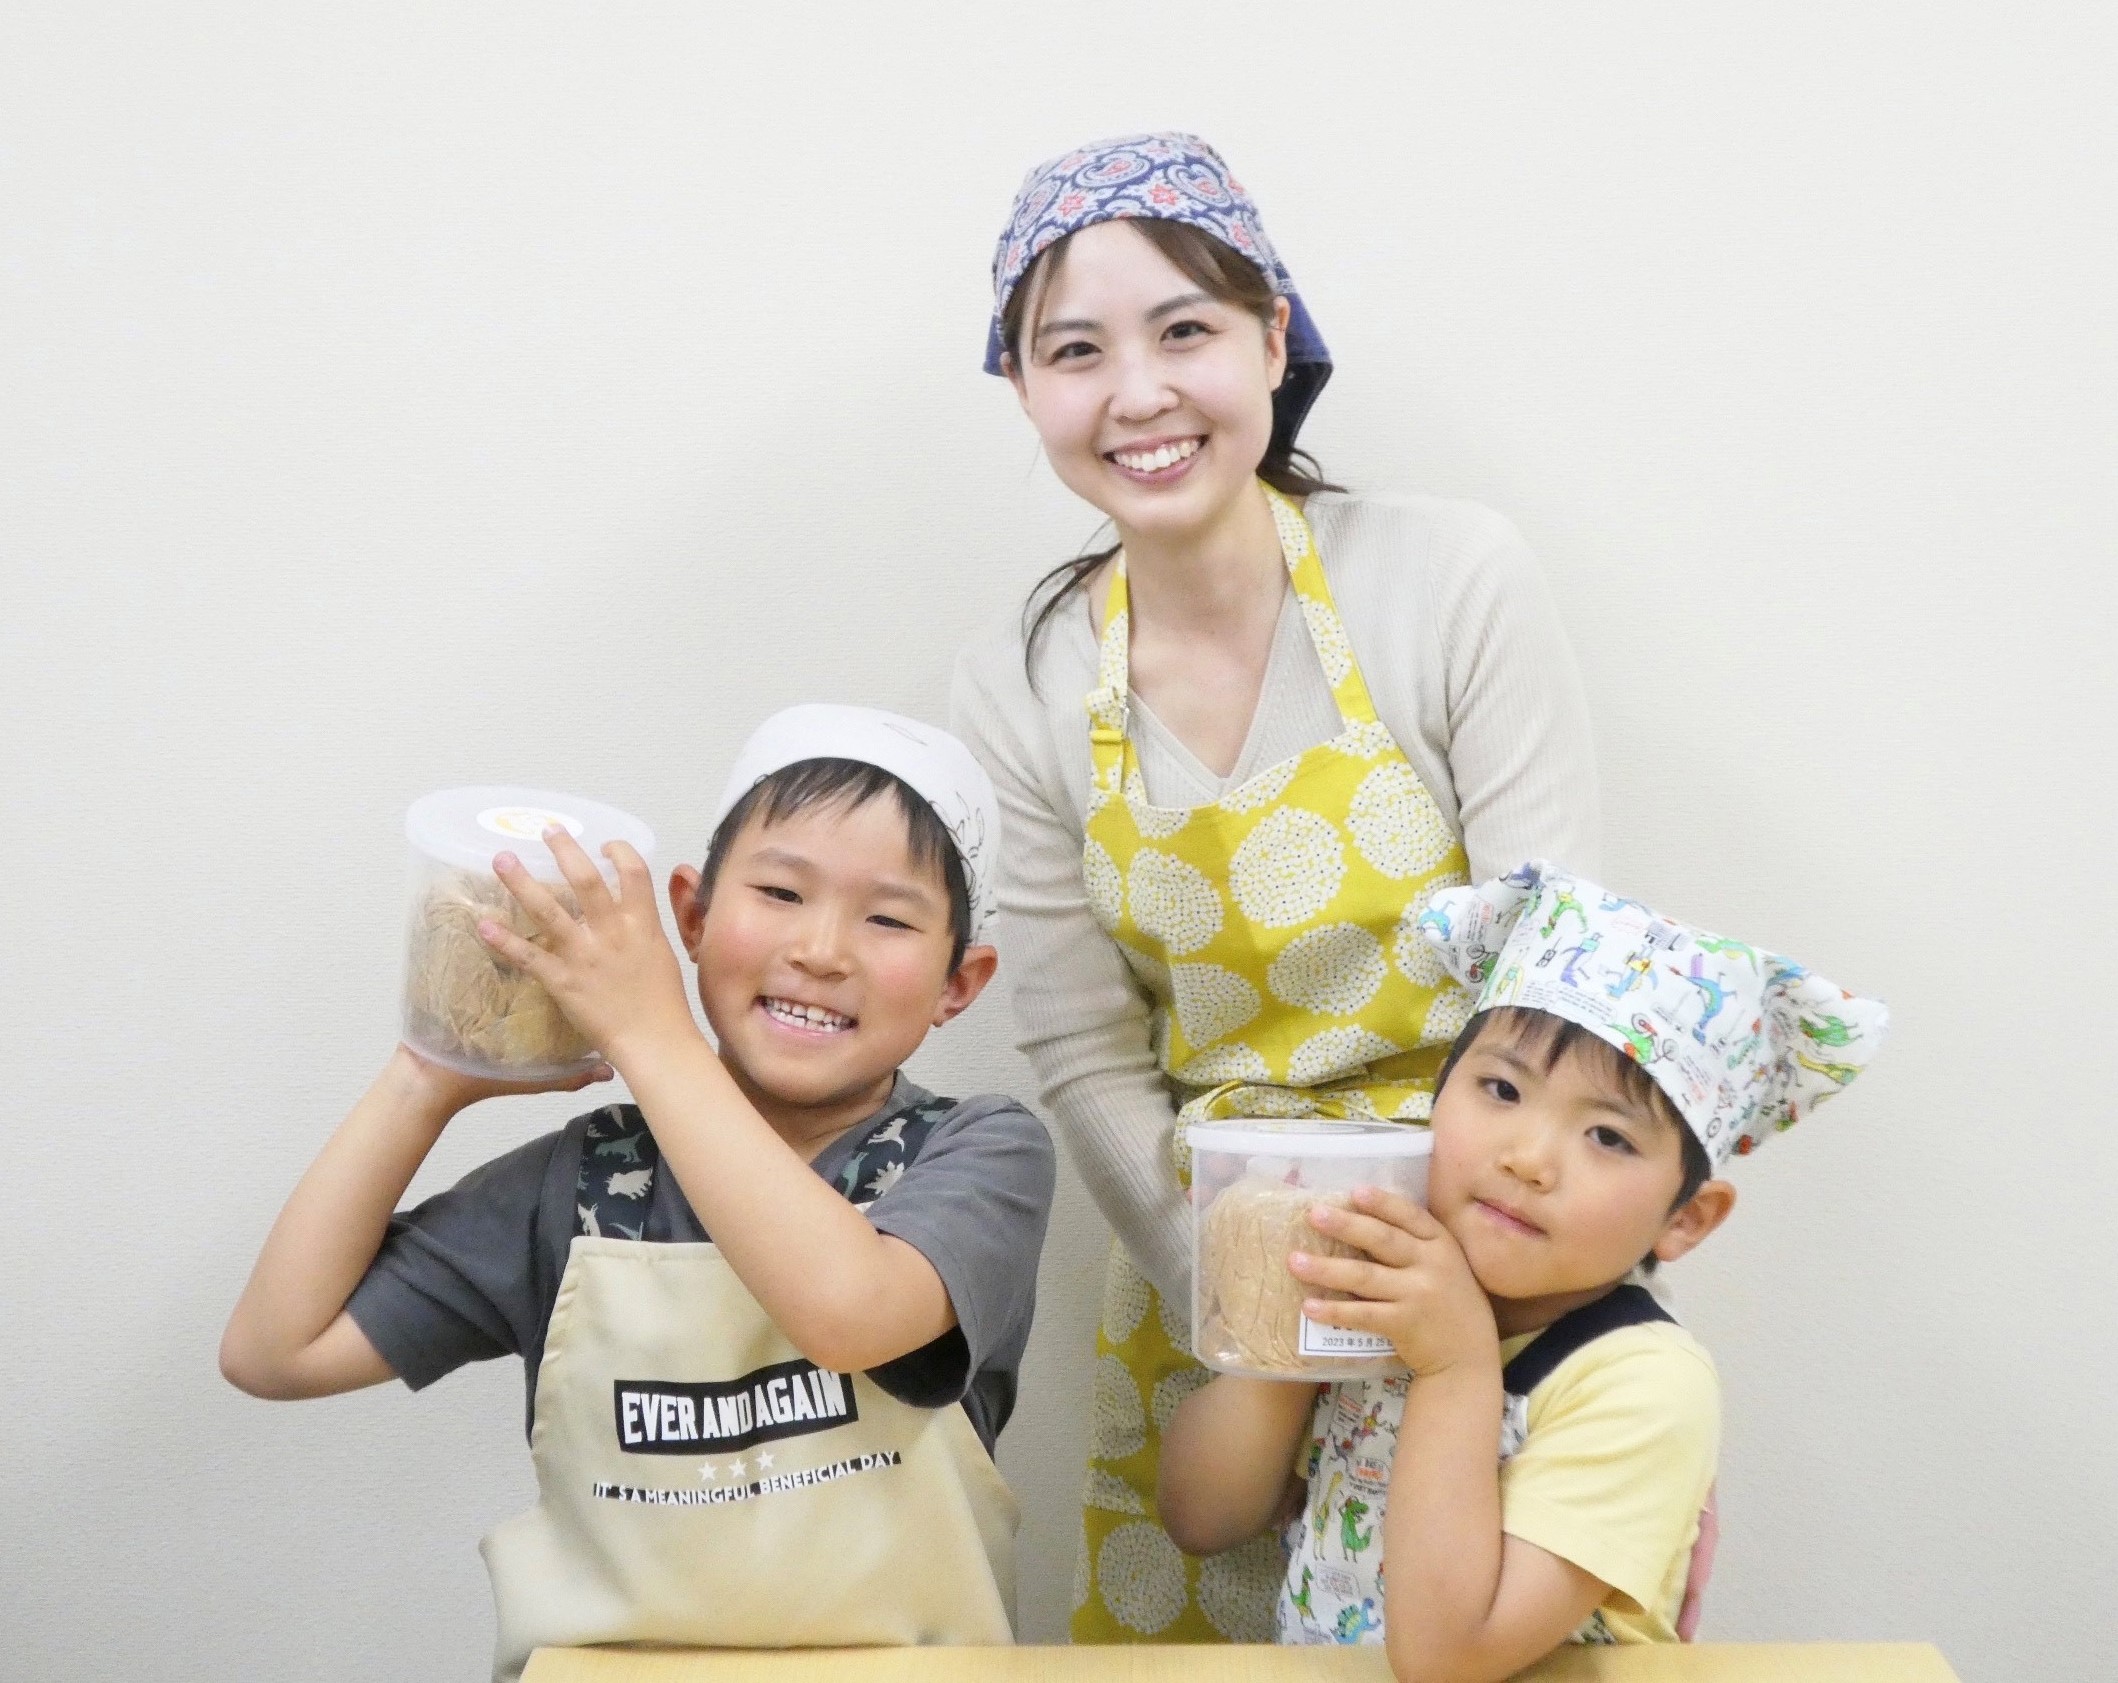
x=1153, y=398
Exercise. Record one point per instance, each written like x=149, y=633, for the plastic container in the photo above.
x=1252, y=1186
x=463, y=1005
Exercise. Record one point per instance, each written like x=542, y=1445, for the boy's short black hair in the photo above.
x=1552, y=1036
x=849, y=784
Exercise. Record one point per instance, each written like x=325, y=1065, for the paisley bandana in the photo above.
x=1168, y=178
x=1745, y=1043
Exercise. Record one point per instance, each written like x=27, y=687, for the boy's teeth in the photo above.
x=1154, y=461
x=807, y=1016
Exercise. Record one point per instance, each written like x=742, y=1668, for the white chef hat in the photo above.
x=939, y=768
x=1743, y=1041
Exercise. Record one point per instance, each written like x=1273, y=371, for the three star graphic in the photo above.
x=736, y=1469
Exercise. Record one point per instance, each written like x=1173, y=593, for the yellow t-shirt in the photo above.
x=1610, y=1472
x=1622, y=1439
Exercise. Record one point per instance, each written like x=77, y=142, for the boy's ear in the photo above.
x=967, y=982
x=1696, y=1217
x=688, y=905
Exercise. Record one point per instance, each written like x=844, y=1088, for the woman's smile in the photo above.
x=1160, y=461
x=1140, y=380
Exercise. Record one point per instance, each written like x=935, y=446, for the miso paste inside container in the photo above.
x=464, y=1006
x=1254, y=1184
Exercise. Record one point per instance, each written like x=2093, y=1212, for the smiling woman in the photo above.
x=1306, y=713
x=1205, y=324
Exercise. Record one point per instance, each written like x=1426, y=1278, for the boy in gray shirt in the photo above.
x=455, y=1282
x=749, y=1305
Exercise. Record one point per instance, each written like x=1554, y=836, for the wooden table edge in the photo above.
x=1765, y=1662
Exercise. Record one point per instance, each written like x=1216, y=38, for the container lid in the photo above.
x=1312, y=1136
x=466, y=827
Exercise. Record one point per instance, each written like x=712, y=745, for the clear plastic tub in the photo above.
x=1252, y=1186
x=464, y=1007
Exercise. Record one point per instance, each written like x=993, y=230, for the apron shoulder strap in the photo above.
x=619, y=1158
x=618, y=1162
x=893, y=1141
x=1627, y=1306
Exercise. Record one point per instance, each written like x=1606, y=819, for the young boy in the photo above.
x=1540, y=1475
x=780, y=1437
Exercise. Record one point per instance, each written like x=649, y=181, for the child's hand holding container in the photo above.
x=1253, y=1184
x=465, y=1007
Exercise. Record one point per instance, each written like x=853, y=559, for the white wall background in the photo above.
x=409, y=394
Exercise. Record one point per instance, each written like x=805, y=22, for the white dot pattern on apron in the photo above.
x=1161, y=822
x=1106, y=888
x=1334, y=970
x=1233, y=1062
x=1173, y=1391
x=1336, y=1053
x=1235, y=1585
x=1107, y=1491
x=1448, y=1014
x=1261, y=790
x=1142, y=1574
x=1288, y=868
x=1120, y=1421
x=1397, y=832
x=1328, y=633
x=1211, y=1002
x=1173, y=902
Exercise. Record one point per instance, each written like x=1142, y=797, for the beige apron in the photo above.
x=700, y=1483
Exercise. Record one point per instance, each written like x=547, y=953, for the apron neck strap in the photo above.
x=620, y=1159
x=888, y=1144
x=1626, y=1306
x=1107, y=702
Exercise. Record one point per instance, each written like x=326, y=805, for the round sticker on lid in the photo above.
x=526, y=823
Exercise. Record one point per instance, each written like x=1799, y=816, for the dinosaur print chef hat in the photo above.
x=1745, y=1043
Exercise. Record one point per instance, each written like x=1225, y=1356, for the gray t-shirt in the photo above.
x=473, y=1272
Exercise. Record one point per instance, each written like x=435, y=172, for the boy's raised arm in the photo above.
x=849, y=1298
x=289, y=1335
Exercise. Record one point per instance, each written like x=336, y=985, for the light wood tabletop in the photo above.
x=1709, y=1662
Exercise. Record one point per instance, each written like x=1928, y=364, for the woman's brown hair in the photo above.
x=1221, y=272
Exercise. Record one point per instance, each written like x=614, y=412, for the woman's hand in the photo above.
x=611, y=969
x=1415, y=1288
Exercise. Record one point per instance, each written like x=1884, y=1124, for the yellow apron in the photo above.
x=1276, y=932
x=699, y=1482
